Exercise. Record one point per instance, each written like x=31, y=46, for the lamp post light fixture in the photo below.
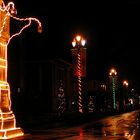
x=78, y=45
x=112, y=72
x=78, y=42
x=125, y=83
x=125, y=90
x=113, y=75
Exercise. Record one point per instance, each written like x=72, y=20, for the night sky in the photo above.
x=112, y=31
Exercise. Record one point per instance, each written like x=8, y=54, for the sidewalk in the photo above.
x=48, y=121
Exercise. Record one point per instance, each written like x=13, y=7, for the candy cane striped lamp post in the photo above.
x=78, y=50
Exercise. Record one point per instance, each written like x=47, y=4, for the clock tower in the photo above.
x=8, y=127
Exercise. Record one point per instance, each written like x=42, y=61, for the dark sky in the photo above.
x=112, y=31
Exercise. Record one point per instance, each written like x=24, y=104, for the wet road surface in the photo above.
x=119, y=127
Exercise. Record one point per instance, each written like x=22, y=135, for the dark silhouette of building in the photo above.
x=43, y=84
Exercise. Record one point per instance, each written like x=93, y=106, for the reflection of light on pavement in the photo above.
x=120, y=126
x=81, y=133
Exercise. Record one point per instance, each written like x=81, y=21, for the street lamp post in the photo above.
x=78, y=50
x=113, y=78
x=125, y=90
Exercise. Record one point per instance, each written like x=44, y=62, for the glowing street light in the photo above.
x=125, y=83
x=113, y=76
x=78, y=42
x=78, y=49
x=113, y=72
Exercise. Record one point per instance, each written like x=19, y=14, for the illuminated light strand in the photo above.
x=26, y=26
x=2, y=44
x=2, y=66
x=79, y=65
x=10, y=9
x=79, y=84
x=9, y=97
x=1, y=113
x=4, y=22
x=113, y=90
x=2, y=63
x=1, y=59
x=7, y=113
x=6, y=65
x=90, y=104
x=4, y=82
x=61, y=106
x=61, y=99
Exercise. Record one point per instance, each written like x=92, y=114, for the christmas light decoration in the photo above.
x=61, y=98
x=78, y=43
x=90, y=104
x=113, y=75
x=10, y=11
x=113, y=91
x=79, y=84
x=8, y=127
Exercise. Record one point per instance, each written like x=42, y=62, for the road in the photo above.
x=118, y=127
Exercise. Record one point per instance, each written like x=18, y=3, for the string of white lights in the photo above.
x=79, y=83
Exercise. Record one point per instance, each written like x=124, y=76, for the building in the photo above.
x=44, y=85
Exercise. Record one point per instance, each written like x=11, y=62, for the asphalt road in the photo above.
x=118, y=127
